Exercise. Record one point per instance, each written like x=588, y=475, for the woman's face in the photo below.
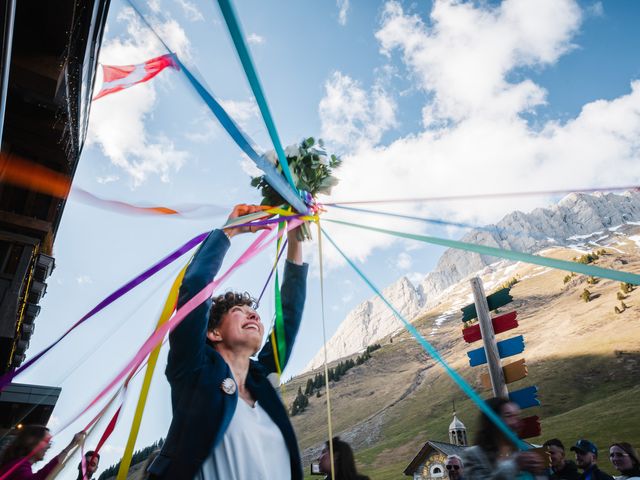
x=325, y=461
x=510, y=414
x=42, y=445
x=620, y=459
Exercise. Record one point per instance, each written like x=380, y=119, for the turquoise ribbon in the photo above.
x=444, y=223
x=252, y=76
x=585, y=269
x=290, y=194
x=455, y=376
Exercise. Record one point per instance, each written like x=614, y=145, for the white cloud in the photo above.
x=54, y=422
x=83, y=279
x=108, y=179
x=154, y=5
x=476, y=138
x=249, y=167
x=190, y=11
x=595, y=10
x=464, y=56
x=416, y=278
x=255, y=39
x=343, y=9
x=113, y=449
x=117, y=123
x=242, y=111
x=404, y=261
x=350, y=116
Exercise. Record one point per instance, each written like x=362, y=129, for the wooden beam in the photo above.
x=25, y=222
x=489, y=339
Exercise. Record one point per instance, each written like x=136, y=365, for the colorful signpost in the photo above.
x=492, y=351
x=512, y=373
x=506, y=348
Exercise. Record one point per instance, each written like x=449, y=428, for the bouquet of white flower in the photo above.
x=312, y=172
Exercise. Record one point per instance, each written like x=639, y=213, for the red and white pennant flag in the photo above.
x=120, y=77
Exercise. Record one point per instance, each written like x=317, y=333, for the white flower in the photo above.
x=322, y=156
x=292, y=151
x=271, y=156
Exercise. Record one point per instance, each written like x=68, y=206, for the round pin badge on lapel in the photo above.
x=228, y=386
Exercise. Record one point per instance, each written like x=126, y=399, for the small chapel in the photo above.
x=429, y=463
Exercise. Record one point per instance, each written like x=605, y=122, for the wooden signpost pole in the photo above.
x=489, y=339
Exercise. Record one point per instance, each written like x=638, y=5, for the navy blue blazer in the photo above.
x=201, y=410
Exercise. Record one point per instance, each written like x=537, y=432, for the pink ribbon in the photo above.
x=260, y=244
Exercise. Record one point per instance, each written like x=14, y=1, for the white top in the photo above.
x=252, y=448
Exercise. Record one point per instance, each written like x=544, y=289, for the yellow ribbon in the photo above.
x=167, y=311
x=324, y=334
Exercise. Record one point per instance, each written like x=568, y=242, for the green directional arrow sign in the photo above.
x=495, y=300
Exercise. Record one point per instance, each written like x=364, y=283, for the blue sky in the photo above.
x=419, y=98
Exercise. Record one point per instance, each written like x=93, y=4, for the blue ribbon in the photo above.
x=252, y=76
x=455, y=376
x=242, y=140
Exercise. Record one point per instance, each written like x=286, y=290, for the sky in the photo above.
x=419, y=98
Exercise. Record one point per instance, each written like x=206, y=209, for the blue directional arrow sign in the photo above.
x=526, y=397
x=506, y=348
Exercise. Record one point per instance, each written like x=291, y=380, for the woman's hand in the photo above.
x=294, y=247
x=240, y=211
x=77, y=439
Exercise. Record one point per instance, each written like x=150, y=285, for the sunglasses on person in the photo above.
x=453, y=467
x=618, y=455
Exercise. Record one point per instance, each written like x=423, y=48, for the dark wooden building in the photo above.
x=48, y=66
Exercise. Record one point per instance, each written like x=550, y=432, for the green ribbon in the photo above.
x=569, y=266
x=281, y=341
x=233, y=25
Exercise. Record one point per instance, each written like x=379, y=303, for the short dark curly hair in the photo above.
x=223, y=303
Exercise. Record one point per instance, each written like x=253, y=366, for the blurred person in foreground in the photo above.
x=30, y=446
x=494, y=456
x=343, y=461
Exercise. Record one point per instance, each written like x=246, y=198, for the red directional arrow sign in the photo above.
x=501, y=323
x=530, y=427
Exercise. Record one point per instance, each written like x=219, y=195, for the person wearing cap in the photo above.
x=229, y=422
x=561, y=468
x=586, y=459
x=625, y=459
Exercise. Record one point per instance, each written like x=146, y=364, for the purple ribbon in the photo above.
x=275, y=265
x=9, y=376
x=269, y=221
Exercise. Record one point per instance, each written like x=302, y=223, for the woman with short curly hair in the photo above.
x=228, y=420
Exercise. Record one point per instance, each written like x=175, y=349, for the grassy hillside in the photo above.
x=388, y=407
x=584, y=358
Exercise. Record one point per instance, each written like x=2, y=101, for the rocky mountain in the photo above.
x=576, y=218
x=370, y=321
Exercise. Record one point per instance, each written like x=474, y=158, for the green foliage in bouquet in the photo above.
x=312, y=171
